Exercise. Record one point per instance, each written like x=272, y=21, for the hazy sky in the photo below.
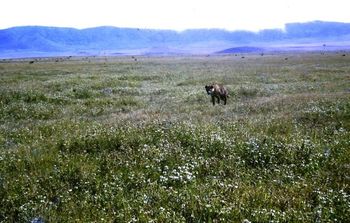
x=171, y=14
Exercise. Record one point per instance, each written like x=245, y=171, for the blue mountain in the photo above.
x=39, y=40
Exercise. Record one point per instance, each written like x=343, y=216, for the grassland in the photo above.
x=120, y=140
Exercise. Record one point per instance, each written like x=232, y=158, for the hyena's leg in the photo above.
x=225, y=99
x=213, y=99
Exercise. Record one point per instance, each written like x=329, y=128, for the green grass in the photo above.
x=112, y=139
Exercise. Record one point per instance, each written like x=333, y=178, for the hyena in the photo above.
x=217, y=91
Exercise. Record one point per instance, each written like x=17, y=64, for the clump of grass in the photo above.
x=247, y=92
x=81, y=93
x=325, y=113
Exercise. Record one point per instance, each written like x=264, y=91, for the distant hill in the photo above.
x=243, y=49
x=40, y=41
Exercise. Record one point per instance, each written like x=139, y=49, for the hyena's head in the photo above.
x=209, y=89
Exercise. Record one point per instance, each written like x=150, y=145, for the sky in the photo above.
x=177, y=15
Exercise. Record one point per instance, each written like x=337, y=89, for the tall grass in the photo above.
x=126, y=141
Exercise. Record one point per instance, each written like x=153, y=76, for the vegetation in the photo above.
x=115, y=139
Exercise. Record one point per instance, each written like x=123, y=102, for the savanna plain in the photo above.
x=137, y=139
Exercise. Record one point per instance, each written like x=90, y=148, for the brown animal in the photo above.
x=217, y=91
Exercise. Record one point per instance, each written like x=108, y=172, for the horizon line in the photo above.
x=175, y=30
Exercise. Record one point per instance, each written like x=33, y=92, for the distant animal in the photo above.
x=217, y=91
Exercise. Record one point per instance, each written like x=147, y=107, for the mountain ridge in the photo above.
x=41, y=40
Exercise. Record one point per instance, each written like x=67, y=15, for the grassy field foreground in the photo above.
x=137, y=139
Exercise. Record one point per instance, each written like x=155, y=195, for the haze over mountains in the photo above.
x=32, y=41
